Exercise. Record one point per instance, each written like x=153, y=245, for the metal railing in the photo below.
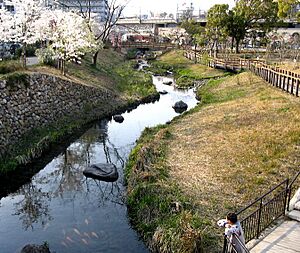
x=264, y=210
x=234, y=245
x=258, y=216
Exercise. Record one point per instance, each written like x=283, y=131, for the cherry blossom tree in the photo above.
x=68, y=34
x=22, y=23
x=5, y=25
x=102, y=30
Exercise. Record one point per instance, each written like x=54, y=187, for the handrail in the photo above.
x=235, y=249
x=294, y=179
x=261, y=197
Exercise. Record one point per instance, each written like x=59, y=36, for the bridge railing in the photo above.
x=149, y=44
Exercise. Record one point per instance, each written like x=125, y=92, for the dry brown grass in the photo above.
x=228, y=153
x=290, y=66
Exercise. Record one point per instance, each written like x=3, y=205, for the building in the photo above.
x=97, y=7
x=7, y=5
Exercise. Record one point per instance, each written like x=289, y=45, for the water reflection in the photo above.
x=78, y=214
x=33, y=207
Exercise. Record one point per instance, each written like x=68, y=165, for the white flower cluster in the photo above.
x=66, y=33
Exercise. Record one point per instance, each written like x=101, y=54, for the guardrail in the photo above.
x=264, y=210
x=258, y=215
x=286, y=80
x=234, y=245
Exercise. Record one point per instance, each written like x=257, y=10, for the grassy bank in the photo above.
x=112, y=72
x=185, y=71
x=240, y=141
x=158, y=209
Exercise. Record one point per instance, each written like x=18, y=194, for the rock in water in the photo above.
x=102, y=171
x=118, y=118
x=180, y=106
x=32, y=248
x=163, y=92
x=168, y=82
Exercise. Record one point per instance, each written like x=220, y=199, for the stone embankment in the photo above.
x=41, y=100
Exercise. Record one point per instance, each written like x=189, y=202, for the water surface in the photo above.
x=73, y=213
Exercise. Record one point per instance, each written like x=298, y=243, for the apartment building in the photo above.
x=97, y=7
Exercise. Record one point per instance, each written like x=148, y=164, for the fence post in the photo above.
x=297, y=88
x=287, y=197
x=259, y=217
x=225, y=245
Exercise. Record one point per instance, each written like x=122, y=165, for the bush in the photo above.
x=131, y=54
x=10, y=66
x=46, y=56
x=16, y=79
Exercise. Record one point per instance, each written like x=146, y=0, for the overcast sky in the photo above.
x=169, y=6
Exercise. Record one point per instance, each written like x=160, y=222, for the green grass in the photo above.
x=223, y=95
x=10, y=66
x=16, y=80
x=185, y=71
x=152, y=198
x=112, y=72
x=244, y=131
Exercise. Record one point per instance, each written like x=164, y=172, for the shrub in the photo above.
x=131, y=54
x=46, y=56
x=10, y=66
x=15, y=79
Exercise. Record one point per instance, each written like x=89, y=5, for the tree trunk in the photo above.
x=23, y=55
x=95, y=57
x=195, y=53
x=237, y=46
x=232, y=44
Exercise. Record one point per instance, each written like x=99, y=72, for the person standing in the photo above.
x=233, y=230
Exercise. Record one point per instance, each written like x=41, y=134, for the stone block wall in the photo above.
x=44, y=100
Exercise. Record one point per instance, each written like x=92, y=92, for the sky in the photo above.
x=169, y=6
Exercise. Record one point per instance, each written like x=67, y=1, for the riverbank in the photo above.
x=186, y=73
x=241, y=140
x=113, y=75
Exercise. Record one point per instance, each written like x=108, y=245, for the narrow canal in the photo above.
x=72, y=213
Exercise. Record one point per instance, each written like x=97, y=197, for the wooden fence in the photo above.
x=286, y=80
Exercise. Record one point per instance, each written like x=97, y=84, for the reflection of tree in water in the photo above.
x=67, y=181
x=34, y=207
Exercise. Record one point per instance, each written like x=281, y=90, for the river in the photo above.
x=72, y=213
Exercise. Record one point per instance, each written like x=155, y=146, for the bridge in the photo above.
x=160, y=22
x=148, y=45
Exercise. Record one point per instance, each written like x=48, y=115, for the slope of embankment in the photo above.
x=242, y=139
x=40, y=107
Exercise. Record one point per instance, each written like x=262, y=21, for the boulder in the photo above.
x=163, y=92
x=180, y=106
x=102, y=171
x=136, y=66
x=168, y=82
x=32, y=248
x=118, y=118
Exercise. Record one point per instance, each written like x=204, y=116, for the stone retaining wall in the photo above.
x=44, y=100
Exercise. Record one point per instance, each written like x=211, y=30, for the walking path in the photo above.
x=284, y=239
